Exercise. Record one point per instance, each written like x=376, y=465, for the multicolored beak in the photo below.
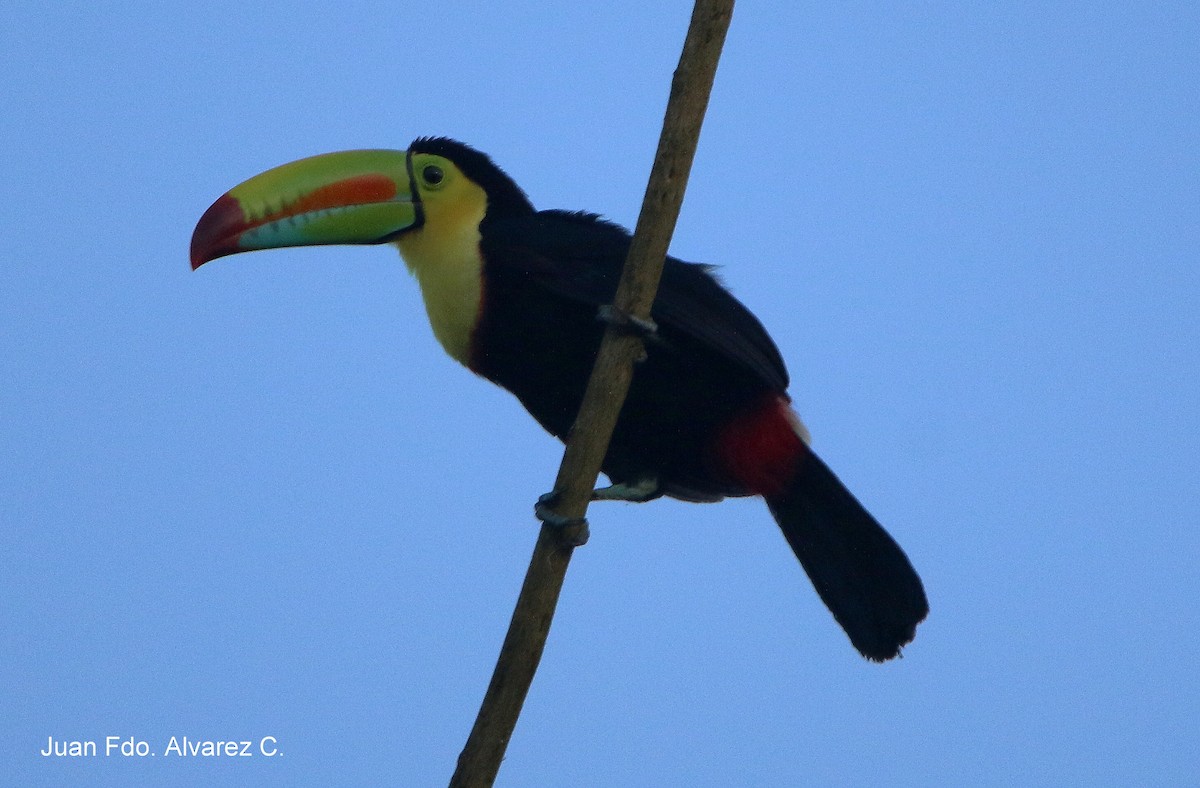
x=353, y=197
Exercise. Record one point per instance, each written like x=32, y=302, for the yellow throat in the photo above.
x=444, y=257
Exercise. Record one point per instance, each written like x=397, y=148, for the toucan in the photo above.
x=519, y=296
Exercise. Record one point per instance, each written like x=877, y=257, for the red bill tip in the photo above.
x=217, y=232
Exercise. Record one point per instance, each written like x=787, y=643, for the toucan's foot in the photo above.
x=573, y=529
x=640, y=491
x=642, y=327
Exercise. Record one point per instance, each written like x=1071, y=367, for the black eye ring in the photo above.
x=433, y=174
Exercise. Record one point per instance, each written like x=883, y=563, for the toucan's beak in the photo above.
x=354, y=197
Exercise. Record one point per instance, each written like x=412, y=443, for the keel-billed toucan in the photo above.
x=514, y=294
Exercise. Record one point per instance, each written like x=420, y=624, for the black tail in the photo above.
x=862, y=575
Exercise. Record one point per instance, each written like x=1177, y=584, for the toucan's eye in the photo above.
x=433, y=174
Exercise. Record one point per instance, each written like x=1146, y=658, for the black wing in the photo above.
x=579, y=257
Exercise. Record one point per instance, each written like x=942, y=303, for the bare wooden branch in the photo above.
x=480, y=759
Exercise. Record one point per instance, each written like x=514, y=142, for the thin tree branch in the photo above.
x=480, y=759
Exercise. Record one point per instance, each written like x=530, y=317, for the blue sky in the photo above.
x=257, y=500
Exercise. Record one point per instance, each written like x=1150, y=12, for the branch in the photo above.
x=480, y=759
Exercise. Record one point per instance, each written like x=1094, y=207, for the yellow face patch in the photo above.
x=443, y=254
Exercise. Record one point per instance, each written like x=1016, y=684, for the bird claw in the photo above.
x=573, y=530
x=642, y=327
x=640, y=491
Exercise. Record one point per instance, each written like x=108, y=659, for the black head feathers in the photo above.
x=505, y=197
